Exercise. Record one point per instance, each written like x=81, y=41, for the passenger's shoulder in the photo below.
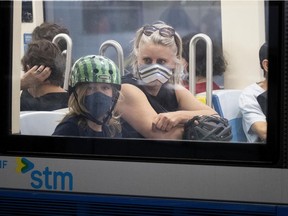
x=181, y=90
x=129, y=88
x=130, y=94
x=177, y=87
x=250, y=87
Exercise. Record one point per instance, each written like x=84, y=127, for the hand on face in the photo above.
x=35, y=76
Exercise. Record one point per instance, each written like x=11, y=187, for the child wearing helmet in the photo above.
x=95, y=85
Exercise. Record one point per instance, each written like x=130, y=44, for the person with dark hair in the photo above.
x=44, y=56
x=48, y=31
x=44, y=31
x=218, y=67
x=254, y=119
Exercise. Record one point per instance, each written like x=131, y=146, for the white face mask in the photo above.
x=152, y=72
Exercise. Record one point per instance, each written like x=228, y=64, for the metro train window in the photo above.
x=110, y=17
x=238, y=28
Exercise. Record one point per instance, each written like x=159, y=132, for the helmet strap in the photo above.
x=109, y=114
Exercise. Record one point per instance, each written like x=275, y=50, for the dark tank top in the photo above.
x=164, y=101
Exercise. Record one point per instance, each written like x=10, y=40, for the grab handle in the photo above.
x=68, y=53
x=209, y=65
x=119, y=51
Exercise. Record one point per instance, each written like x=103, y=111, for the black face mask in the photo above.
x=98, y=105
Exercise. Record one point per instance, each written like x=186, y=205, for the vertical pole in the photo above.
x=209, y=65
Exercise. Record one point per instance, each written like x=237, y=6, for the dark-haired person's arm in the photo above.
x=260, y=128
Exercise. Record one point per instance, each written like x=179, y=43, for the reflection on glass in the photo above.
x=227, y=23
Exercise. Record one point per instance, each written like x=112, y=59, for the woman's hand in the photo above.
x=167, y=121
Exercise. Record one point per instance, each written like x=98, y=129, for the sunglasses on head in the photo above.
x=164, y=32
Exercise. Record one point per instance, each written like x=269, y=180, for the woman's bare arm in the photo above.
x=189, y=106
x=134, y=107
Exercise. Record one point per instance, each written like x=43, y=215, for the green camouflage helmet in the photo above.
x=95, y=68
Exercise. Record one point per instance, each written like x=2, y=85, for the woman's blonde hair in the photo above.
x=174, y=42
x=77, y=108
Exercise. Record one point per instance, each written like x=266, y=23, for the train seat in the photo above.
x=39, y=122
x=225, y=102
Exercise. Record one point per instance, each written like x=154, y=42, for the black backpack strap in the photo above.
x=262, y=100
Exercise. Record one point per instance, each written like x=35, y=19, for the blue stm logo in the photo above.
x=46, y=178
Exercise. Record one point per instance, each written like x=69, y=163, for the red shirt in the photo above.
x=201, y=87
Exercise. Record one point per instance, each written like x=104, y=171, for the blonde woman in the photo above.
x=157, y=67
